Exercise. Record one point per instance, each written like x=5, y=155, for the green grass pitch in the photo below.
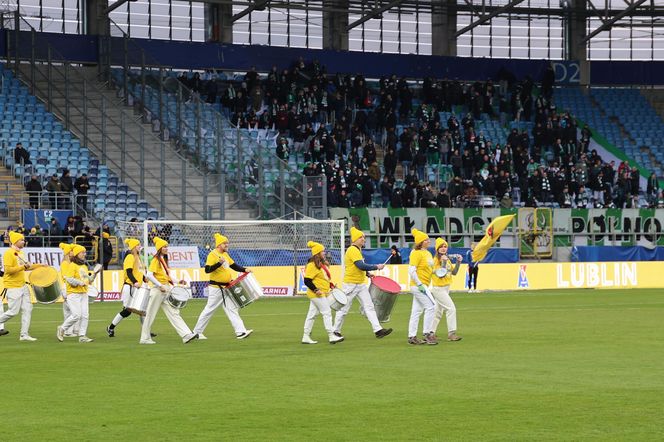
x=550, y=365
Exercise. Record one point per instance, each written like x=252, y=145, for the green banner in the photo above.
x=615, y=227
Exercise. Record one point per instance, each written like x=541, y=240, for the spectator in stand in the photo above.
x=54, y=233
x=105, y=251
x=34, y=238
x=21, y=155
x=54, y=187
x=70, y=228
x=34, y=189
x=282, y=149
x=67, y=188
x=652, y=189
x=82, y=186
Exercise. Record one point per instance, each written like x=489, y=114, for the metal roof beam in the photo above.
x=257, y=4
x=374, y=13
x=607, y=24
x=488, y=18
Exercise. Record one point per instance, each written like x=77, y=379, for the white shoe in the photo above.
x=149, y=341
x=306, y=339
x=60, y=334
x=244, y=335
x=334, y=339
x=85, y=339
x=190, y=337
x=27, y=338
x=201, y=337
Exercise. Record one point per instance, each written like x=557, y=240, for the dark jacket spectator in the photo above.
x=21, y=155
x=34, y=189
x=395, y=256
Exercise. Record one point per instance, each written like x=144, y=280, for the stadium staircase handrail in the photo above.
x=147, y=66
x=72, y=91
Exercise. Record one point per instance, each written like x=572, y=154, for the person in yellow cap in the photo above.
x=77, y=280
x=317, y=279
x=133, y=270
x=440, y=288
x=16, y=290
x=158, y=275
x=420, y=270
x=355, y=285
x=66, y=311
x=218, y=266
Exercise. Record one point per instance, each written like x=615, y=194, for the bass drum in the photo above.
x=384, y=293
x=138, y=300
x=46, y=284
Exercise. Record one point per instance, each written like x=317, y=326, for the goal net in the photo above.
x=275, y=251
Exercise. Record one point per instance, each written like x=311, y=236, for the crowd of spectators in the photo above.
x=384, y=140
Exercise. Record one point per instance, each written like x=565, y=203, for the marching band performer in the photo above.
x=66, y=311
x=419, y=270
x=133, y=280
x=317, y=279
x=440, y=281
x=16, y=290
x=77, y=281
x=162, y=282
x=217, y=266
x=355, y=284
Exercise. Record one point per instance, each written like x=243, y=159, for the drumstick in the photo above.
x=388, y=258
x=22, y=261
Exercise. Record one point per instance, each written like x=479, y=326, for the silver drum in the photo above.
x=178, y=297
x=138, y=301
x=383, y=293
x=337, y=299
x=244, y=290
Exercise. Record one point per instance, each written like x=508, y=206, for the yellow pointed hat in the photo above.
x=76, y=249
x=14, y=237
x=419, y=236
x=219, y=239
x=132, y=243
x=440, y=242
x=355, y=234
x=66, y=248
x=315, y=247
x=159, y=243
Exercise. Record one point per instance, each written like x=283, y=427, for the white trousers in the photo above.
x=79, y=307
x=158, y=299
x=322, y=306
x=2, y=310
x=362, y=293
x=444, y=304
x=421, y=303
x=18, y=300
x=216, y=299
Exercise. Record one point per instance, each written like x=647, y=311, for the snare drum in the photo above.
x=178, y=296
x=337, y=299
x=46, y=284
x=244, y=290
x=92, y=293
x=138, y=300
x=440, y=272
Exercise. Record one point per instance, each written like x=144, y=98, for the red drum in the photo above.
x=384, y=293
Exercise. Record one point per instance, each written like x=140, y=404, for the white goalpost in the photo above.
x=274, y=250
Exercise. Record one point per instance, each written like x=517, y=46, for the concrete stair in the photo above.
x=12, y=191
x=98, y=117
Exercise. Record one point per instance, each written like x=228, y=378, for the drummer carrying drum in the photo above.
x=217, y=266
x=133, y=280
x=317, y=279
x=419, y=270
x=66, y=312
x=158, y=275
x=440, y=281
x=16, y=290
x=355, y=284
x=77, y=280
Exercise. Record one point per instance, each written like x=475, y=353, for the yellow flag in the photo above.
x=493, y=232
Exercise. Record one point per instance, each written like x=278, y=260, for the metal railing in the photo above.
x=103, y=125
x=203, y=134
